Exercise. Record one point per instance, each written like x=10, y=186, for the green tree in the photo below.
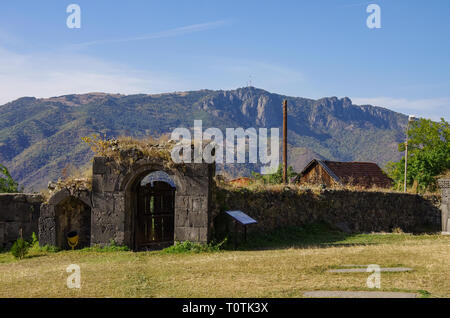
x=428, y=154
x=276, y=177
x=7, y=184
x=20, y=248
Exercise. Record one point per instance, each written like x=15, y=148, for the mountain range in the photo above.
x=39, y=137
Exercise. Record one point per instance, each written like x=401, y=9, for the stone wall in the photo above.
x=444, y=185
x=18, y=211
x=350, y=211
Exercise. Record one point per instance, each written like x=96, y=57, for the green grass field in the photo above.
x=283, y=264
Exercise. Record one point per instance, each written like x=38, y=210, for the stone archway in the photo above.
x=72, y=215
x=114, y=199
x=63, y=213
x=130, y=186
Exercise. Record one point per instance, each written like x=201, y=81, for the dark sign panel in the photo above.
x=241, y=217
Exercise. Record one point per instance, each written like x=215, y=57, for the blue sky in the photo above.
x=300, y=48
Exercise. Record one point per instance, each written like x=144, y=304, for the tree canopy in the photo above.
x=276, y=177
x=428, y=154
x=7, y=184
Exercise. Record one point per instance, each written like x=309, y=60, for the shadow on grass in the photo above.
x=318, y=235
x=308, y=236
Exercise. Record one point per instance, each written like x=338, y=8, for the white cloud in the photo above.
x=60, y=73
x=432, y=108
x=162, y=34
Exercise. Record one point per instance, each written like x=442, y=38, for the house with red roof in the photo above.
x=333, y=173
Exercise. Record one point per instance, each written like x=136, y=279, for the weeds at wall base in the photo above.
x=190, y=247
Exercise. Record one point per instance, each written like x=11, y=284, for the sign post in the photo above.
x=244, y=220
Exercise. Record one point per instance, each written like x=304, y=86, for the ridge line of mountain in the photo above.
x=39, y=137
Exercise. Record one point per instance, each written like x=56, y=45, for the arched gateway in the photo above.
x=154, y=211
x=143, y=215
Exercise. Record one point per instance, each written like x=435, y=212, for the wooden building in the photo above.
x=333, y=173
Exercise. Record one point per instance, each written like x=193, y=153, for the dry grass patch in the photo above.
x=268, y=273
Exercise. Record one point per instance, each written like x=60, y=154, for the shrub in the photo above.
x=34, y=243
x=276, y=177
x=48, y=248
x=397, y=230
x=112, y=247
x=20, y=248
x=34, y=246
x=190, y=247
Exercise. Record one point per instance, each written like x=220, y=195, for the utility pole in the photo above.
x=285, y=141
x=410, y=119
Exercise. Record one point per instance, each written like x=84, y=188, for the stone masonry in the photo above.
x=444, y=184
x=18, y=212
x=349, y=211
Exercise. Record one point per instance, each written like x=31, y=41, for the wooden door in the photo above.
x=155, y=216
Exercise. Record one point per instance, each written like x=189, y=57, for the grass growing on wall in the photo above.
x=123, y=149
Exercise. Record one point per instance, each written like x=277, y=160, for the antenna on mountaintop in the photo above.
x=249, y=83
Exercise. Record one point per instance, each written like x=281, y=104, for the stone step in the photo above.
x=364, y=270
x=357, y=294
x=353, y=265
